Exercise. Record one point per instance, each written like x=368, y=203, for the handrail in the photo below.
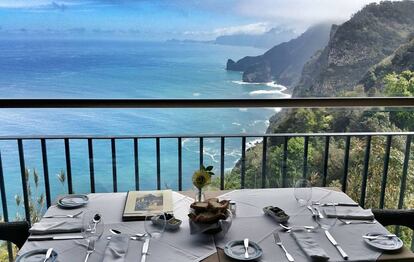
x=325, y=102
x=166, y=136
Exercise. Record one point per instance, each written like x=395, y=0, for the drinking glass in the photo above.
x=322, y=219
x=93, y=225
x=303, y=191
x=155, y=224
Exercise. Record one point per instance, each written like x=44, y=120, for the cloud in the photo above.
x=250, y=29
x=40, y=4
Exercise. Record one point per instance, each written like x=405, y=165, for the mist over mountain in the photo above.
x=268, y=39
x=283, y=63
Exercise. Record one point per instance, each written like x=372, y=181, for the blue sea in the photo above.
x=123, y=69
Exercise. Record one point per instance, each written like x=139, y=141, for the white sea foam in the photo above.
x=245, y=83
x=252, y=143
x=236, y=124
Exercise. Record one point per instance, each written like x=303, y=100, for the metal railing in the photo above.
x=207, y=103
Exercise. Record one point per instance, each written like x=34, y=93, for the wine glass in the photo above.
x=303, y=191
x=322, y=219
x=92, y=230
x=155, y=224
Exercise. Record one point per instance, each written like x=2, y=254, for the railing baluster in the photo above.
x=180, y=164
x=264, y=161
x=325, y=161
x=114, y=175
x=284, y=162
x=405, y=172
x=243, y=162
x=346, y=163
x=385, y=171
x=24, y=181
x=201, y=152
x=4, y=207
x=365, y=173
x=45, y=171
x=157, y=142
x=222, y=144
x=68, y=165
x=305, y=157
x=136, y=164
x=91, y=165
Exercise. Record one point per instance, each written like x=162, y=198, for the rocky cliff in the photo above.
x=367, y=38
x=283, y=63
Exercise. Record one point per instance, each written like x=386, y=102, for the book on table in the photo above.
x=140, y=204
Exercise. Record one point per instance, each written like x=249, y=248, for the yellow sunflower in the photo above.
x=201, y=178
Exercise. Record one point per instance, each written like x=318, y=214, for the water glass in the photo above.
x=92, y=225
x=303, y=191
x=322, y=219
x=155, y=224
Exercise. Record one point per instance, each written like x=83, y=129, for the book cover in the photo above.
x=140, y=204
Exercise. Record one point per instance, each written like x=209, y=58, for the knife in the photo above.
x=333, y=241
x=336, y=204
x=145, y=248
x=42, y=238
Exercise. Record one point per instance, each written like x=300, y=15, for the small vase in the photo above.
x=199, y=195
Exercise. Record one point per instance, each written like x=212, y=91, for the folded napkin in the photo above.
x=351, y=213
x=309, y=246
x=42, y=228
x=116, y=249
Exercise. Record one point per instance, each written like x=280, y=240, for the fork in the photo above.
x=279, y=243
x=91, y=248
x=64, y=216
x=289, y=228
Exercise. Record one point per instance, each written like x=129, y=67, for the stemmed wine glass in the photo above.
x=303, y=191
x=92, y=230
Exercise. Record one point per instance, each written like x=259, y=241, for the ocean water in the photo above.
x=123, y=69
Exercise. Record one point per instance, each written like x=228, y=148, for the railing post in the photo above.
x=264, y=161
x=201, y=152
x=325, y=161
x=365, y=173
x=24, y=180
x=180, y=164
x=68, y=165
x=222, y=145
x=385, y=171
x=305, y=157
x=243, y=162
x=346, y=163
x=91, y=165
x=136, y=163
x=114, y=174
x=45, y=171
x=405, y=172
x=284, y=161
x=4, y=206
x=158, y=155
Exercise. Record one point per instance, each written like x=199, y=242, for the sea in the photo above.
x=38, y=68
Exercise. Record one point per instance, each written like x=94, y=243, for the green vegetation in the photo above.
x=37, y=204
x=323, y=120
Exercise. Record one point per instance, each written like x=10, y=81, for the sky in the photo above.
x=166, y=19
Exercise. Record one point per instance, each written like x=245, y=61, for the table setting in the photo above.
x=287, y=224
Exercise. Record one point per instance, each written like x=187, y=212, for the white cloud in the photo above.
x=250, y=29
x=21, y=4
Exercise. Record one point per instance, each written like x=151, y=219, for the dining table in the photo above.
x=248, y=221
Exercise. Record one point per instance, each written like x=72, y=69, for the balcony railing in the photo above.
x=209, y=103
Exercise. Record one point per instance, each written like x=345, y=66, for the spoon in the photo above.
x=136, y=236
x=288, y=228
x=96, y=219
x=48, y=254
